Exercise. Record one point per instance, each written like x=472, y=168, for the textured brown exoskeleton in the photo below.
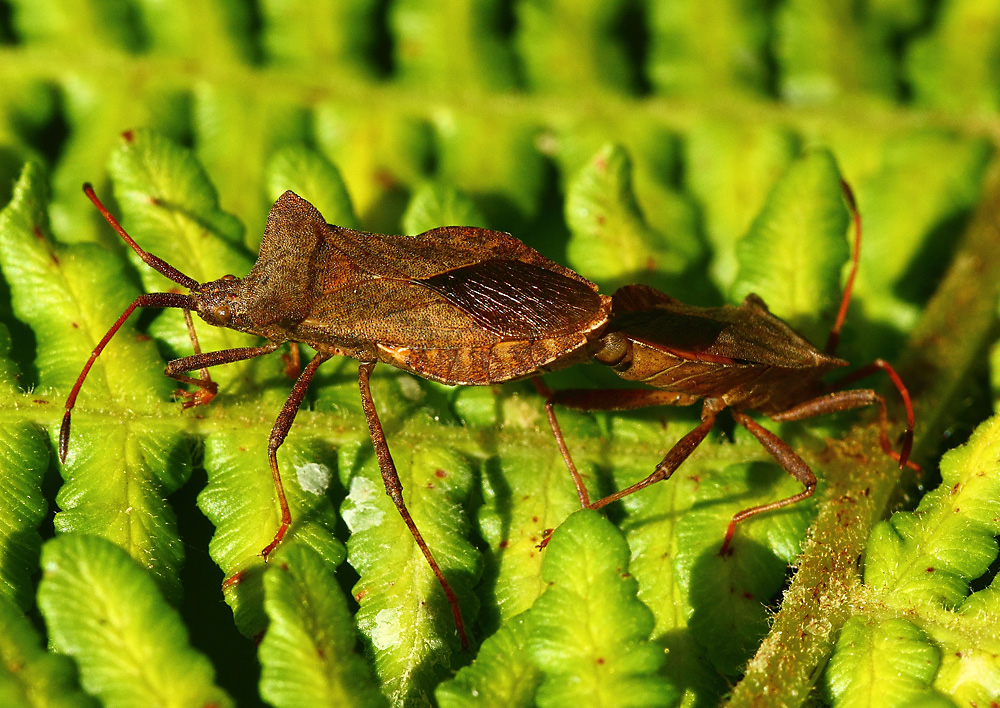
x=737, y=357
x=459, y=305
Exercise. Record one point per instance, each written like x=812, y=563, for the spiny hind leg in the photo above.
x=394, y=489
x=850, y=400
x=789, y=461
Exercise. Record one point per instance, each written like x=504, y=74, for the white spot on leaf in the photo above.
x=387, y=630
x=362, y=514
x=314, y=477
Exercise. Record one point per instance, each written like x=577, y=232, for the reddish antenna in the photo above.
x=185, y=302
x=157, y=264
x=878, y=364
x=845, y=299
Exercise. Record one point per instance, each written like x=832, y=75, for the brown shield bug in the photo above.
x=737, y=357
x=458, y=305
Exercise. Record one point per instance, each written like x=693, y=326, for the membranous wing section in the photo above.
x=458, y=304
x=707, y=351
x=517, y=300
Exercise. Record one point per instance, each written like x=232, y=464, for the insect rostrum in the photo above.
x=459, y=305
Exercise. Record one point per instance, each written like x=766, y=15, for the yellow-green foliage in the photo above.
x=690, y=145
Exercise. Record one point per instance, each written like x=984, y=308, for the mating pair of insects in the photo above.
x=469, y=306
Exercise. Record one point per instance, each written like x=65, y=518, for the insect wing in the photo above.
x=453, y=286
x=518, y=300
x=457, y=304
x=639, y=298
x=674, y=351
x=685, y=335
x=744, y=335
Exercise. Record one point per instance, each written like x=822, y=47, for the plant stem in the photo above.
x=957, y=327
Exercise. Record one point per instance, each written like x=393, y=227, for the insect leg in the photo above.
x=201, y=361
x=278, y=433
x=789, y=461
x=581, y=490
x=206, y=387
x=177, y=367
x=849, y=400
x=619, y=399
x=292, y=361
x=681, y=450
x=394, y=488
x=883, y=365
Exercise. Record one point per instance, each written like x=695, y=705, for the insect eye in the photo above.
x=222, y=313
x=228, y=276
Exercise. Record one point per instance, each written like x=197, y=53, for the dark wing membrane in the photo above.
x=690, y=335
x=744, y=335
x=518, y=300
x=637, y=298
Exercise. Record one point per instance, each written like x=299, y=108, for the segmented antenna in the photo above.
x=185, y=302
x=845, y=299
x=157, y=264
x=878, y=364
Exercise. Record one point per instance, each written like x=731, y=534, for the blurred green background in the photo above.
x=632, y=140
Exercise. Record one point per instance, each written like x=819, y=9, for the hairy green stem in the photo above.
x=958, y=324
